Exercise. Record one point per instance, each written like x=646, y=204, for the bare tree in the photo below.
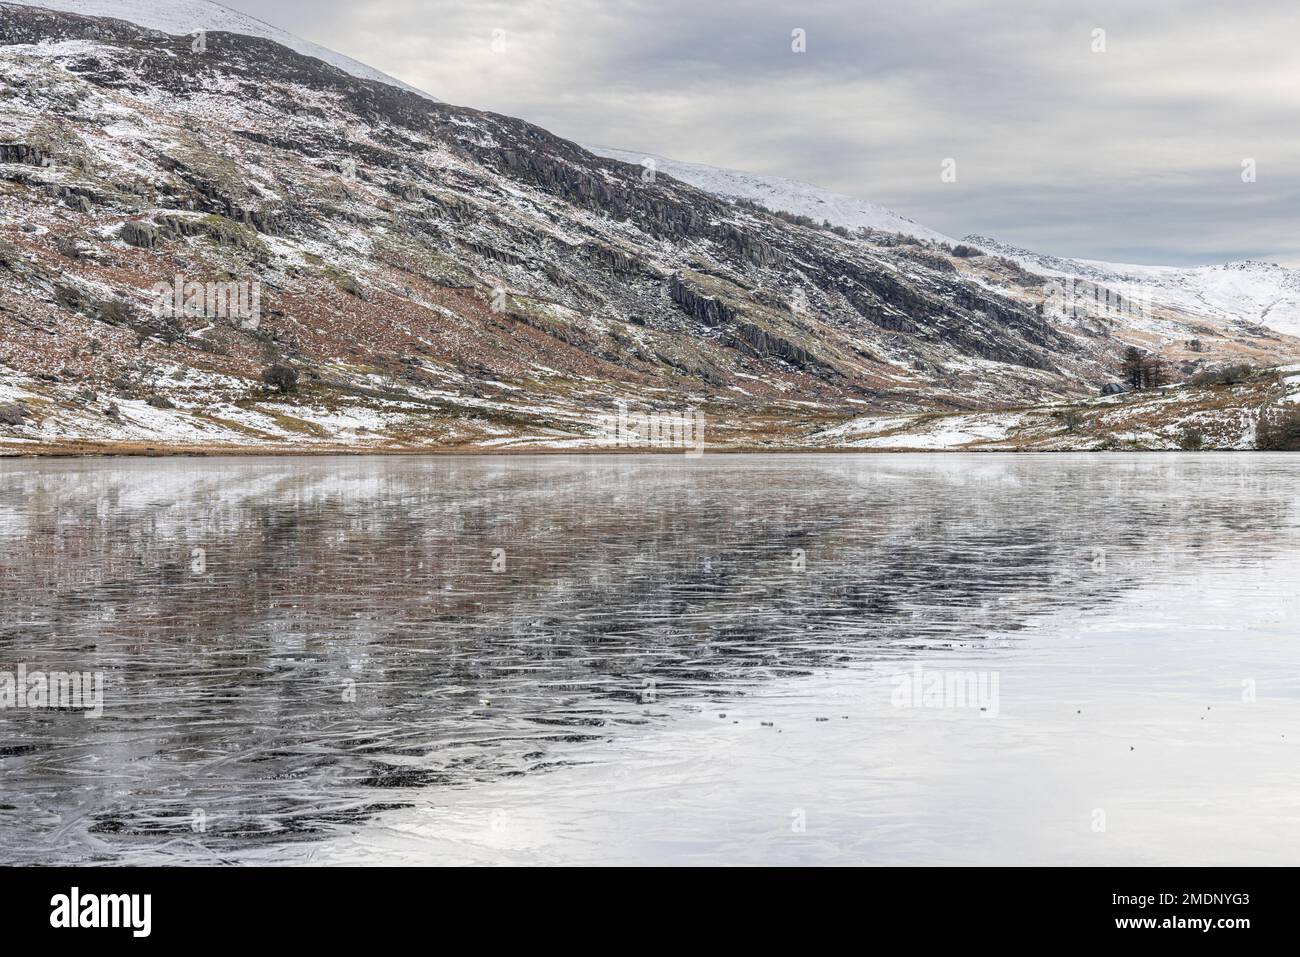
x=1142, y=371
x=1133, y=366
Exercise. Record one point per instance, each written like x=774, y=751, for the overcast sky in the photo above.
x=1133, y=154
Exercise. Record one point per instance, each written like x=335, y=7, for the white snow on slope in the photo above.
x=784, y=195
x=182, y=17
x=1248, y=291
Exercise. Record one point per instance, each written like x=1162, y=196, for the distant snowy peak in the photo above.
x=784, y=195
x=1244, y=291
x=181, y=17
x=1041, y=262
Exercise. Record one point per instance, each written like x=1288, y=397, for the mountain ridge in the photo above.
x=777, y=193
x=782, y=195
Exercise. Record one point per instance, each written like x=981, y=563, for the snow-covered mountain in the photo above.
x=784, y=195
x=436, y=275
x=1246, y=292
x=183, y=17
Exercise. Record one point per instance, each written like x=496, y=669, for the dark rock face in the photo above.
x=75, y=199
x=747, y=247
x=24, y=154
x=1114, y=388
x=711, y=312
x=615, y=260
x=141, y=235
x=764, y=344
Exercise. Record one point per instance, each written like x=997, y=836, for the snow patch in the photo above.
x=182, y=17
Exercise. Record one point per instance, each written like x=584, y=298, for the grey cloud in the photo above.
x=1133, y=154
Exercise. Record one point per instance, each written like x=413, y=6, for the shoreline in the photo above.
x=129, y=451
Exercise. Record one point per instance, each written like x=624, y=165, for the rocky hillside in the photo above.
x=1218, y=411
x=357, y=265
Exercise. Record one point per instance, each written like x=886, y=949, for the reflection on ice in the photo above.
x=292, y=646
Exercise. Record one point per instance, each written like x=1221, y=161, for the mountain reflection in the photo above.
x=292, y=644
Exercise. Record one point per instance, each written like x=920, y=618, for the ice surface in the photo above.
x=346, y=677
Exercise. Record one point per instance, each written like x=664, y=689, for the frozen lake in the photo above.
x=731, y=659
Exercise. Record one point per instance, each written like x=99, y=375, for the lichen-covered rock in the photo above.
x=139, y=234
